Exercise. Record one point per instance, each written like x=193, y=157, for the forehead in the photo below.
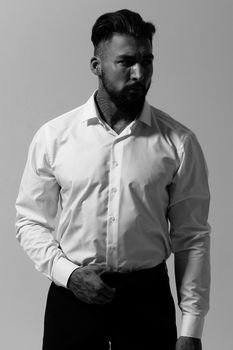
x=122, y=44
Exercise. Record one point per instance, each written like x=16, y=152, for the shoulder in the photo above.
x=65, y=121
x=175, y=133
x=168, y=124
x=60, y=126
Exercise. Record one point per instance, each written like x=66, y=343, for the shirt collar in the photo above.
x=91, y=115
x=90, y=111
x=145, y=116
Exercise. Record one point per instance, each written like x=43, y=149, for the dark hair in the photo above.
x=122, y=21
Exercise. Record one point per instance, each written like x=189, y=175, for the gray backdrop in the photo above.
x=44, y=72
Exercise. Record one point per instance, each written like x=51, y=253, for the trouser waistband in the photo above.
x=115, y=279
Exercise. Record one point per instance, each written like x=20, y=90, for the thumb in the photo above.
x=99, y=269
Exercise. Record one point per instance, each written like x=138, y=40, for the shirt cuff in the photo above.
x=192, y=326
x=62, y=270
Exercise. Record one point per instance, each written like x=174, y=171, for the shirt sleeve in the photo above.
x=36, y=209
x=190, y=236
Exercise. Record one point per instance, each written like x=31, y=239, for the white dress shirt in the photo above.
x=127, y=201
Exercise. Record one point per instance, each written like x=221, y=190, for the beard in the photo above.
x=130, y=100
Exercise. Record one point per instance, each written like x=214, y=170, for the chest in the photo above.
x=94, y=160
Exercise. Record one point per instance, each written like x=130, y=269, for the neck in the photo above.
x=107, y=108
x=109, y=111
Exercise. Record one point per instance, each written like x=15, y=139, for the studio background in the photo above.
x=44, y=72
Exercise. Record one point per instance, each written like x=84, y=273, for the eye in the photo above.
x=126, y=62
x=147, y=61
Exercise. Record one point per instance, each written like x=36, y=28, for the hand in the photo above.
x=188, y=343
x=87, y=286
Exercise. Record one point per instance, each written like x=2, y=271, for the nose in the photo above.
x=137, y=72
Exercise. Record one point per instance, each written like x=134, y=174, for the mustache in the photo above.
x=135, y=86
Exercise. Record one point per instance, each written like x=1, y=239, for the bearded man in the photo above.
x=132, y=185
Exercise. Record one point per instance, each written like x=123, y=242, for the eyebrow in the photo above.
x=125, y=56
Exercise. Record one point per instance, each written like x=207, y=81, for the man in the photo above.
x=132, y=184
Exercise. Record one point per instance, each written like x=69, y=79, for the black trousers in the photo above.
x=141, y=315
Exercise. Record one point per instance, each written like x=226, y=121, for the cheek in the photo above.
x=149, y=72
x=119, y=79
x=116, y=77
x=122, y=78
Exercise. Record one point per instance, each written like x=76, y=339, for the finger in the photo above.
x=108, y=293
x=98, y=287
x=93, y=298
x=104, y=291
x=101, y=299
x=96, y=298
x=108, y=289
x=105, y=285
x=103, y=296
x=100, y=269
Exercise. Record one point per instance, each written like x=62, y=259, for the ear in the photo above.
x=95, y=65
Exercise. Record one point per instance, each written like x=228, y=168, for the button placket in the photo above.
x=113, y=205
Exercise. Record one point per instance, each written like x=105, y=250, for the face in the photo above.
x=126, y=70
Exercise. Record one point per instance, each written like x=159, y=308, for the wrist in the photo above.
x=71, y=277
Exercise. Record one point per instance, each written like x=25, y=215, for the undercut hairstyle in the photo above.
x=123, y=22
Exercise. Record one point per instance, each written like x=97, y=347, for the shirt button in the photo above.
x=114, y=164
x=114, y=190
x=112, y=219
